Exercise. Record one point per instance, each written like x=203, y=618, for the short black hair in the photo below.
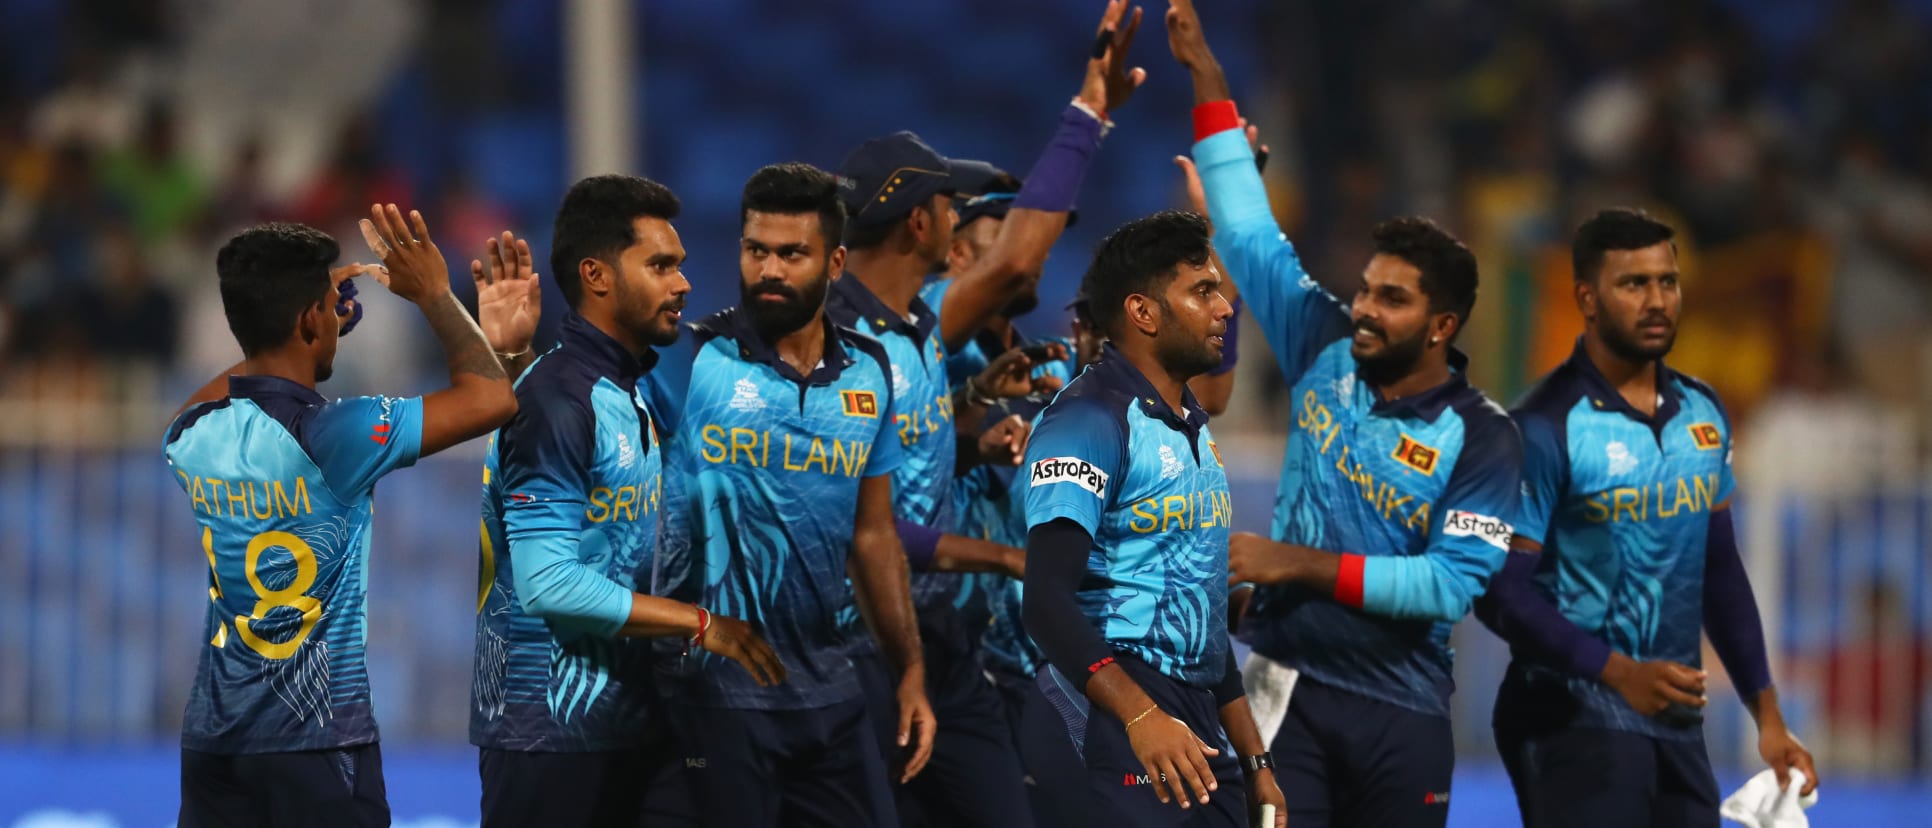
x=596, y=222
x=1614, y=228
x=792, y=189
x=1448, y=268
x=270, y=274
x=1136, y=257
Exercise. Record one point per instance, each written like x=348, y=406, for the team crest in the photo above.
x=1216, y=450
x=1706, y=436
x=860, y=403
x=1416, y=455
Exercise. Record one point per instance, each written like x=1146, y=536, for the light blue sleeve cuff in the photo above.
x=553, y=585
x=1236, y=198
x=1410, y=586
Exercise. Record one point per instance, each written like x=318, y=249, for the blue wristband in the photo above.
x=347, y=293
x=1054, y=183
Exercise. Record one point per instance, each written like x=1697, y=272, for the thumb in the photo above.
x=905, y=725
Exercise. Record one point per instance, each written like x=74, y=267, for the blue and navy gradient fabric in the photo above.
x=571, y=487
x=282, y=484
x=1430, y=479
x=766, y=469
x=1621, y=503
x=1147, y=483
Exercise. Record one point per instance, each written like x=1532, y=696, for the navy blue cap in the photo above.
x=885, y=178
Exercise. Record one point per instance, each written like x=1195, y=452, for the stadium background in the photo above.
x=1791, y=140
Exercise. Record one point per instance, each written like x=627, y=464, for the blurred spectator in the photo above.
x=355, y=177
x=162, y=191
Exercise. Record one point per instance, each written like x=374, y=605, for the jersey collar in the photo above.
x=870, y=315
x=604, y=353
x=1430, y=404
x=1114, y=370
x=752, y=348
x=1605, y=396
x=265, y=386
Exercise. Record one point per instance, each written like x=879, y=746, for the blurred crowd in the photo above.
x=1791, y=141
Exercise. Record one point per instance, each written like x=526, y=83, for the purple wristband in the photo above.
x=1054, y=184
x=345, y=294
x=921, y=543
x=1229, y=341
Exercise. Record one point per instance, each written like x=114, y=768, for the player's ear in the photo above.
x=835, y=263
x=1444, y=327
x=309, y=324
x=595, y=275
x=1586, y=299
x=960, y=255
x=1142, y=313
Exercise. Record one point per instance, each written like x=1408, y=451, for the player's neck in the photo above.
x=288, y=363
x=1002, y=330
x=1166, y=385
x=803, y=349
x=1430, y=371
x=1635, y=380
x=893, y=277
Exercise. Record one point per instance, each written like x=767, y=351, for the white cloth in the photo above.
x=1269, y=684
x=1759, y=804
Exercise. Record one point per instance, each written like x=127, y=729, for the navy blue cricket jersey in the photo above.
x=1425, y=487
x=282, y=483
x=1147, y=483
x=766, y=471
x=921, y=418
x=1621, y=503
x=571, y=490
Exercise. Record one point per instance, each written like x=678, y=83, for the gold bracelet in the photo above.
x=523, y=353
x=1143, y=715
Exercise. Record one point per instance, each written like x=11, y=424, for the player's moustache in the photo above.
x=673, y=305
x=1369, y=327
x=778, y=289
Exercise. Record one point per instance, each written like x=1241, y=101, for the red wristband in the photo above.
x=1348, y=581
x=1213, y=117
x=1095, y=667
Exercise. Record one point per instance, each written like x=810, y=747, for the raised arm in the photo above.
x=479, y=398
x=509, y=300
x=1012, y=265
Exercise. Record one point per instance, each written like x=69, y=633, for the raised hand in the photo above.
x=1189, y=45
x=736, y=640
x=1011, y=374
x=509, y=299
x=1109, y=83
x=1175, y=758
x=1196, y=194
x=348, y=311
x=416, y=268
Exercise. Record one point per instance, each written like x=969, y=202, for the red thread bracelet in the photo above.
x=1095, y=667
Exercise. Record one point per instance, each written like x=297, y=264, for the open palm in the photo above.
x=509, y=297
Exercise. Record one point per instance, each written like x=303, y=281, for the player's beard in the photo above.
x=648, y=324
x=1396, y=360
x=1185, y=353
x=795, y=309
x=1622, y=339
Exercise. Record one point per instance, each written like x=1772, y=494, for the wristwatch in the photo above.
x=1262, y=761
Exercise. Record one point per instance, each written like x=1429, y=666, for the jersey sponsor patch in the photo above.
x=1493, y=531
x=860, y=403
x=1073, y=470
x=1416, y=455
x=1706, y=436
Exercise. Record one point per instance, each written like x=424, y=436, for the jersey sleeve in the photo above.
x=545, y=456
x=1074, y=458
x=1297, y=317
x=1469, y=539
x=1546, y=470
x=888, y=450
x=934, y=294
x=356, y=441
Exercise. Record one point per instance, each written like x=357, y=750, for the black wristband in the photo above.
x=1262, y=761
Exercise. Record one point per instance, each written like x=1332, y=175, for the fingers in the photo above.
x=477, y=274
x=1685, y=678
x=1802, y=760
x=1138, y=76
x=422, y=230
x=1170, y=785
x=525, y=263
x=397, y=226
x=1124, y=38
x=774, y=666
x=1194, y=771
x=923, y=753
x=1674, y=695
x=1781, y=766
x=373, y=237
x=1110, y=18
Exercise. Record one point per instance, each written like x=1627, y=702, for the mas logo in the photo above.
x=860, y=403
x=1416, y=455
x=1706, y=436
